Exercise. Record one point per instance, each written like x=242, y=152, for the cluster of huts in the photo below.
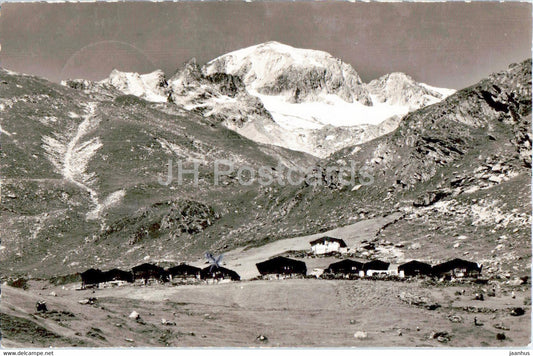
x=326, y=245
x=283, y=267
x=148, y=272
x=347, y=268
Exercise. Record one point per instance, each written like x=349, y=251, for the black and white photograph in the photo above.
x=265, y=174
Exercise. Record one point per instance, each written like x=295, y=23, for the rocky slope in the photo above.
x=220, y=96
x=461, y=167
x=493, y=111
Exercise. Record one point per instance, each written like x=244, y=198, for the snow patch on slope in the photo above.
x=78, y=154
x=112, y=199
x=70, y=156
x=4, y=132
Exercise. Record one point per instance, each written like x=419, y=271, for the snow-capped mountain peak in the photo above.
x=302, y=99
x=186, y=77
x=401, y=89
x=273, y=68
x=151, y=86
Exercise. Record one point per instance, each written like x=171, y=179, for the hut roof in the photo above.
x=281, y=265
x=415, y=264
x=345, y=265
x=455, y=263
x=91, y=271
x=377, y=265
x=147, y=267
x=183, y=269
x=209, y=272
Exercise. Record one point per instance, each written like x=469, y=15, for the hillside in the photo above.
x=459, y=171
x=80, y=178
x=82, y=163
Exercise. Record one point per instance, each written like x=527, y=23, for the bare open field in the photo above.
x=299, y=312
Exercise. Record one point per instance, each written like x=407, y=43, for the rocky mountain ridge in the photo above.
x=277, y=94
x=401, y=89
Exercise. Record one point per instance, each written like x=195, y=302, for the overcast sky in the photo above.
x=444, y=44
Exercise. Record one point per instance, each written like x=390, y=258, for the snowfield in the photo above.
x=332, y=110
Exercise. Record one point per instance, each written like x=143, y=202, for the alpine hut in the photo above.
x=326, y=245
x=414, y=268
x=92, y=278
x=346, y=268
x=219, y=273
x=147, y=272
x=281, y=266
x=183, y=271
x=376, y=268
x=457, y=268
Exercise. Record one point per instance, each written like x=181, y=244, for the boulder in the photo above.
x=517, y=311
x=495, y=179
x=441, y=336
x=500, y=336
x=455, y=318
x=430, y=198
x=262, y=338
x=360, y=335
x=41, y=307
x=89, y=301
x=501, y=326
